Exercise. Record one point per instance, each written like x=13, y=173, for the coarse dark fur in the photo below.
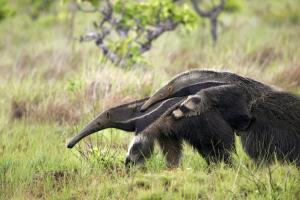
x=214, y=138
x=268, y=122
x=276, y=129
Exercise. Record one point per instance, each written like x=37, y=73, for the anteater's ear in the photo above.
x=189, y=105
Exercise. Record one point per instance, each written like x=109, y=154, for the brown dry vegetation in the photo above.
x=57, y=110
x=289, y=77
x=263, y=56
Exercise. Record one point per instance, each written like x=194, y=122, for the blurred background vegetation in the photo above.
x=52, y=82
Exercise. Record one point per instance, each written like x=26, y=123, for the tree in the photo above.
x=212, y=14
x=133, y=26
x=127, y=28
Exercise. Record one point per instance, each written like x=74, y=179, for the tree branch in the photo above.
x=111, y=22
x=152, y=35
x=212, y=14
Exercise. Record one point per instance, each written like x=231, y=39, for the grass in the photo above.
x=50, y=87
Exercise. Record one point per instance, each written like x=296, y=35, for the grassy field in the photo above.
x=50, y=87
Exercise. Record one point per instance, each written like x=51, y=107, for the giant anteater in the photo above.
x=267, y=120
x=212, y=137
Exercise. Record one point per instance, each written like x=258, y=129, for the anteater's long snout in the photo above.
x=89, y=129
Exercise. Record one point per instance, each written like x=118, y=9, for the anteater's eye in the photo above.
x=170, y=88
x=107, y=115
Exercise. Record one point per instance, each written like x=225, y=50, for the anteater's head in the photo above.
x=116, y=117
x=180, y=86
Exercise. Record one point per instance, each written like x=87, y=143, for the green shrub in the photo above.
x=233, y=5
x=289, y=13
x=39, y=6
x=5, y=11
